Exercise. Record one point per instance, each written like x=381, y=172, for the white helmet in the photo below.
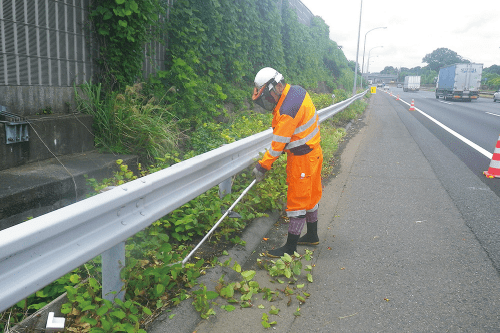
x=265, y=75
x=265, y=81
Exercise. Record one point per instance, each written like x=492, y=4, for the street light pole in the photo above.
x=357, y=50
x=364, y=47
x=368, y=63
x=367, y=67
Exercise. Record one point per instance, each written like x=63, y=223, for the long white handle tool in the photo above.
x=218, y=222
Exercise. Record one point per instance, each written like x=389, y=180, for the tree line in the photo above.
x=439, y=58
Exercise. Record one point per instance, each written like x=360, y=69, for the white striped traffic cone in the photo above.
x=397, y=99
x=412, y=107
x=494, y=169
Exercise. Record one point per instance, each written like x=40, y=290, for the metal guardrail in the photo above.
x=39, y=251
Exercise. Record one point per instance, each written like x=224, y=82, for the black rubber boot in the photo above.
x=290, y=247
x=311, y=236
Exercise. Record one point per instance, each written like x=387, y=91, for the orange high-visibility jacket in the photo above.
x=295, y=126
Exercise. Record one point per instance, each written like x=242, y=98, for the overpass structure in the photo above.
x=377, y=77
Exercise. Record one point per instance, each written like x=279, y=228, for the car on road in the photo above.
x=400, y=85
x=496, y=96
x=386, y=87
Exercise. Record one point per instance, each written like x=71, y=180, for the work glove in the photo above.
x=259, y=175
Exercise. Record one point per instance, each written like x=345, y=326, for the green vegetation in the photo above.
x=129, y=122
x=154, y=282
x=491, y=77
x=214, y=50
x=285, y=271
x=442, y=57
x=427, y=75
x=121, y=29
x=200, y=102
x=439, y=58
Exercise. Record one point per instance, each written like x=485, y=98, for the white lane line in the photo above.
x=452, y=132
x=493, y=114
x=445, y=102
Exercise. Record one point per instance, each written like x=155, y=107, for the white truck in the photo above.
x=412, y=83
x=459, y=82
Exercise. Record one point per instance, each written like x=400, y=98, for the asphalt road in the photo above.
x=409, y=242
x=477, y=121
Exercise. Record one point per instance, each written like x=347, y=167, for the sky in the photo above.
x=414, y=29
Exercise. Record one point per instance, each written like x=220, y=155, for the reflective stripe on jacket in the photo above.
x=295, y=126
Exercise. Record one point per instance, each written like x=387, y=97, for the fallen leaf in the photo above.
x=386, y=299
x=264, y=238
x=274, y=310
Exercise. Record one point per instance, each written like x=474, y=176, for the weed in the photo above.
x=288, y=266
x=129, y=122
x=153, y=281
x=45, y=111
x=242, y=292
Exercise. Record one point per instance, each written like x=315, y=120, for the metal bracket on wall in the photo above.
x=16, y=132
x=16, y=128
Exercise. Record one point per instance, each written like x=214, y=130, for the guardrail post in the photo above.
x=225, y=187
x=113, y=260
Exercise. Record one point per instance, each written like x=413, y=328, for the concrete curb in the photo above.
x=185, y=317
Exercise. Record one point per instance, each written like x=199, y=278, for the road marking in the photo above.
x=493, y=114
x=445, y=102
x=479, y=188
x=452, y=132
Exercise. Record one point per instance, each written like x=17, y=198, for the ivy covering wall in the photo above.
x=215, y=48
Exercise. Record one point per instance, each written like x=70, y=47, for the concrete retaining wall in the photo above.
x=32, y=100
x=37, y=188
x=49, y=135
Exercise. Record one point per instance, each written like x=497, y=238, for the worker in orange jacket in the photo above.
x=296, y=132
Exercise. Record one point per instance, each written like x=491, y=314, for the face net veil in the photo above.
x=263, y=97
x=265, y=82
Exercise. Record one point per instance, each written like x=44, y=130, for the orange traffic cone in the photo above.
x=397, y=99
x=494, y=170
x=412, y=107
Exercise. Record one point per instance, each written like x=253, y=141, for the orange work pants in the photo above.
x=304, y=182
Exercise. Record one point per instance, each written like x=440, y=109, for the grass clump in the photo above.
x=129, y=122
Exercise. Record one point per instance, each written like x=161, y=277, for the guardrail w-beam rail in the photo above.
x=35, y=253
